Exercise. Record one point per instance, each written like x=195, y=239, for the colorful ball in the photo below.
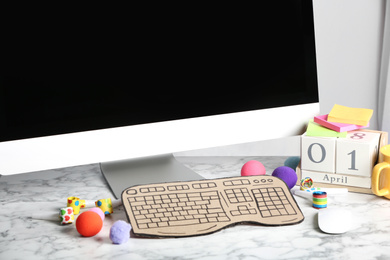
x=99, y=212
x=306, y=183
x=252, y=167
x=89, y=223
x=288, y=175
x=120, y=232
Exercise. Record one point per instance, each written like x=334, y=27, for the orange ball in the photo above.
x=89, y=223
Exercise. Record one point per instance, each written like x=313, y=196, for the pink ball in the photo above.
x=252, y=167
x=99, y=212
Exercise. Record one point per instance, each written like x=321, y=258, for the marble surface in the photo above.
x=22, y=237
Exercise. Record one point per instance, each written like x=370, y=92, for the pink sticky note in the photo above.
x=339, y=127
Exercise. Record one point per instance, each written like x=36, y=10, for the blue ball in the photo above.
x=288, y=175
x=292, y=162
x=120, y=232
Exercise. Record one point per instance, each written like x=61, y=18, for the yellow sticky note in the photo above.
x=314, y=129
x=349, y=115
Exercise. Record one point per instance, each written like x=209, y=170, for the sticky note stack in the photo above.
x=314, y=129
x=340, y=120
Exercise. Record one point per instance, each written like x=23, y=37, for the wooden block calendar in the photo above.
x=341, y=162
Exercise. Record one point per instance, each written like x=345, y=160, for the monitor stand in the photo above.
x=147, y=170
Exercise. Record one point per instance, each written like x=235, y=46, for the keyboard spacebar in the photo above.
x=184, y=222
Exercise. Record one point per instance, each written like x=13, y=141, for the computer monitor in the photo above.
x=169, y=82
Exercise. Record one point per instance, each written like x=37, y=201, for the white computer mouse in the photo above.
x=334, y=220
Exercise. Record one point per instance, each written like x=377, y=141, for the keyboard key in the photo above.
x=184, y=222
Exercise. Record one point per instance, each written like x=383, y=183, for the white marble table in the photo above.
x=24, y=238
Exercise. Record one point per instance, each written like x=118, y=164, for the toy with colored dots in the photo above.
x=75, y=203
x=105, y=205
x=66, y=215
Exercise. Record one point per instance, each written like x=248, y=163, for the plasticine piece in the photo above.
x=339, y=127
x=348, y=115
x=314, y=129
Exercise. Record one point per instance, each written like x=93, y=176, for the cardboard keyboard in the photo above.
x=180, y=209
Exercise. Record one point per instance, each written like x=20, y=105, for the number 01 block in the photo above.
x=318, y=153
x=357, y=153
x=353, y=159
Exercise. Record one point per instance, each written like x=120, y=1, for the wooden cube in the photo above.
x=357, y=153
x=318, y=153
x=355, y=183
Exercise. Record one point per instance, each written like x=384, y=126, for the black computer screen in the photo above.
x=65, y=78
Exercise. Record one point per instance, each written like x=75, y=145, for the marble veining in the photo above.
x=22, y=237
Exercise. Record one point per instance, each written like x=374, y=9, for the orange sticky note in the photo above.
x=349, y=115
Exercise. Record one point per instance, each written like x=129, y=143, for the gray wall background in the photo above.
x=349, y=36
